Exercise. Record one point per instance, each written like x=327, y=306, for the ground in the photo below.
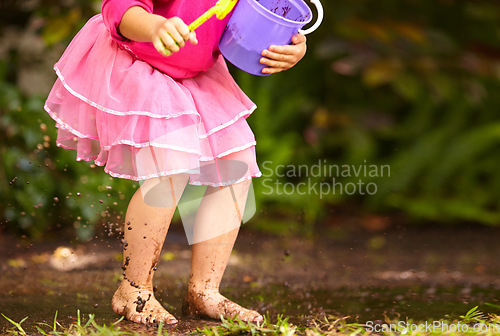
x=414, y=272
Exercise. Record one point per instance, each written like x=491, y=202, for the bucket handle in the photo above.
x=315, y=26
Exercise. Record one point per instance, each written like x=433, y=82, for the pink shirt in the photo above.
x=190, y=60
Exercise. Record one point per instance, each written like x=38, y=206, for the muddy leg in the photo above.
x=210, y=257
x=146, y=225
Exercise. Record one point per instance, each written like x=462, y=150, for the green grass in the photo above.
x=238, y=327
x=474, y=322
x=90, y=327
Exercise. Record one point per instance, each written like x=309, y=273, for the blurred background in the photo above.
x=412, y=86
x=379, y=151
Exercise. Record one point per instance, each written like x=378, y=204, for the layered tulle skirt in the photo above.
x=139, y=123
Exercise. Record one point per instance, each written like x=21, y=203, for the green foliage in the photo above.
x=89, y=328
x=397, y=83
x=474, y=322
x=473, y=316
x=41, y=186
x=235, y=326
x=17, y=325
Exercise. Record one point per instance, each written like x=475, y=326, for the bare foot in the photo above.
x=139, y=306
x=214, y=305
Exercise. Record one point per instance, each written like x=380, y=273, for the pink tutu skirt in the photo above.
x=139, y=123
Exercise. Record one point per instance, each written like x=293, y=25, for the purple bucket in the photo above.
x=257, y=24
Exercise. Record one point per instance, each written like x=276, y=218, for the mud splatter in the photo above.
x=133, y=284
x=124, y=267
x=141, y=303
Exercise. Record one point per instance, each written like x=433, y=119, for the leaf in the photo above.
x=411, y=32
x=60, y=28
x=378, y=31
x=408, y=86
x=17, y=325
x=381, y=72
x=464, y=148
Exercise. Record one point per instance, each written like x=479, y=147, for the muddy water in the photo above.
x=419, y=274
x=365, y=304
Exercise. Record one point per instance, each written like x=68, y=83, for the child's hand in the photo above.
x=280, y=58
x=170, y=35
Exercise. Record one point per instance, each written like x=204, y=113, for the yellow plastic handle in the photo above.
x=202, y=19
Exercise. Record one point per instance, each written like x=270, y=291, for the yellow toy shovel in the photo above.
x=221, y=9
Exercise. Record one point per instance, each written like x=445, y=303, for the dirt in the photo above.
x=418, y=273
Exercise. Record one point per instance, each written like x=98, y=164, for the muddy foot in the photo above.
x=139, y=306
x=214, y=305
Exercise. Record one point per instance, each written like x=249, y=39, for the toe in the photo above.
x=253, y=316
x=169, y=318
x=134, y=318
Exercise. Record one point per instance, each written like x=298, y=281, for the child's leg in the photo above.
x=146, y=225
x=210, y=257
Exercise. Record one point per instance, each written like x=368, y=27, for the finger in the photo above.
x=275, y=64
x=299, y=38
x=169, y=42
x=177, y=37
x=160, y=47
x=272, y=70
x=278, y=56
x=182, y=29
x=171, y=39
x=286, y=49
x=192, y=38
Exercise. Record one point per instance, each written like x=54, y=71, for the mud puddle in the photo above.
x=362, y=304
x=418, y=274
